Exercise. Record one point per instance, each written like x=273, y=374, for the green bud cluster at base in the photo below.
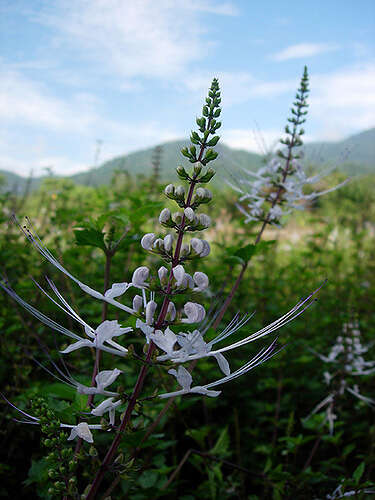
x=60, y=457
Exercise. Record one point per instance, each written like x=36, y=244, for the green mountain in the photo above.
x=355, y=155
x=140, y=162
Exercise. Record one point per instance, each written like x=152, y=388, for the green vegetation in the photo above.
x=353, y=156
x=252, y=442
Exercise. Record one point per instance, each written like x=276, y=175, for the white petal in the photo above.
x=202, y=390
x=91, y=291
x=184, y=378
x=81, y=430
x=223, y=364
x=147, y=241
x=189, y=214
x=137, y=303
x=145, y=329
x=163, y=273
x=140, y=276
x=164, y=341
x=197, y=245
x=195, y=313
x=168, y=240
x=77, y=345
x=107, y=377
x=171, y=311
x=104, y=406
x=150, y=311
x=179, y=273
x=164, y=216
x=116, y=290
x=109, y=329
x=201, y=280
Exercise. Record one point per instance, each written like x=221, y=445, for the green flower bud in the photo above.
x=180, y=192
x=181, y=172
x=177, y=218
x=169, y=191
x=197, y=169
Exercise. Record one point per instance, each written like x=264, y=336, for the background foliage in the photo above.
x=253, y=441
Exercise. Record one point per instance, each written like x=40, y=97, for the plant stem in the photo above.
x=108, y=459
x=230, y=296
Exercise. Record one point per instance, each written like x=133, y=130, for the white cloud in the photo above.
x=303, y=50
x=134, y=39
x=40, y=128
x=24, y=101
x=239, y=87
x=257, y=141
x=224, y=9
x=343, y=102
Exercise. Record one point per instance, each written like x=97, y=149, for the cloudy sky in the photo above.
x=132, y=74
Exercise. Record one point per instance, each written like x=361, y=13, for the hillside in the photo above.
x=354, y=155
x=140, y=162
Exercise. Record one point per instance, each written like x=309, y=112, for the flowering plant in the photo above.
x=169, y=339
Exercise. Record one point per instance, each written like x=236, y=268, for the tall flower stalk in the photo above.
x=278, y=188
x=169, y=339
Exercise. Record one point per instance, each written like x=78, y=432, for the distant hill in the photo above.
x=355, y=155
x=140, y=162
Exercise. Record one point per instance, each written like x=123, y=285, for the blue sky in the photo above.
x=133, y=74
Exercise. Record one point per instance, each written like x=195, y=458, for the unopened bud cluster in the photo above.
x=346, y=358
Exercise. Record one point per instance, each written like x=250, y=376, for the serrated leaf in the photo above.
x=89, y=237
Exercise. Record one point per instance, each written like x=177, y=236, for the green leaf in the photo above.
x=38, y=472
x=222, y=444
x=357, y=474
x=147, y=479
x=90, y=237
x=246, y=252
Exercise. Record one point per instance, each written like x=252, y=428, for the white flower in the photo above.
x=195, y=313
x=82, y=431
x=201, y=280
x=140, y=276
x=185, y=380
x=147, y=330
x=103, y=380
x=165, y=341
x=147, y=241
x=107, y=330
x=107, y=406
x=103, y=333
